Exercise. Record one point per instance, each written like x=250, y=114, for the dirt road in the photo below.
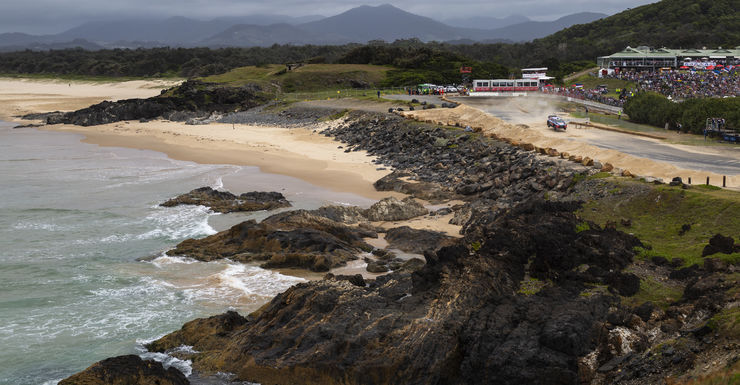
x=533, y=112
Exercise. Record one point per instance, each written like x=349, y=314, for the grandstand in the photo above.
x=646, y=58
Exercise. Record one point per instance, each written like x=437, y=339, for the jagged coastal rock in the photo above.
x=531, y=293
x=416, y=241
x=291, y=239
x=317, y=240
x=188, y=100
x=455, y=321
x=392, y=209
x=226, y=202
x=127, y=370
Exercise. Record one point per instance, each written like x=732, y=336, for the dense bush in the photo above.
x=185, y=62
x=655, y=109
x=419, y=64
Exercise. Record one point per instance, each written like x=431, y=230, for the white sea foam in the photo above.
x=251, y=280
x=179, y=222
x=219, y=183
x=185, y=366
x=38, y=226
x=116, y=238
x=52, y=382
x=165, y=259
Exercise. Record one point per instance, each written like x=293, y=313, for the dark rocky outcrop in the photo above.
x=392, y=209
x=226, y=202
x=720, y=244
x=416, y=241
x=190, y=99
x=291, y=239
x=454, y=321
x=127, y=370
x=317, y=240
x=470, y=314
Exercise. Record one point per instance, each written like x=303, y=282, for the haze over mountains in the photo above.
x=357, y=25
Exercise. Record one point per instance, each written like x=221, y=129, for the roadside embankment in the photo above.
x=522, y=136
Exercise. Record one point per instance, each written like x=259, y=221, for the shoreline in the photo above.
x=295, y=152
x=322, y=166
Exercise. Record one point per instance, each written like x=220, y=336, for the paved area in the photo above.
x=724, y=161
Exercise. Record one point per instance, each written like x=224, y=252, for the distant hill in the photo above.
x=357, y=25
x=573, y=37
x=531, y=30
x=384, y=22
x=668, y=23
x=486, y=22
x=264, y=36
x=180, y=31
x=38, y=45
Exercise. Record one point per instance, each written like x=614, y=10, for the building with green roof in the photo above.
x=646, y=58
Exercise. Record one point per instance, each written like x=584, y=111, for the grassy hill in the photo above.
x=668, y=23
x=308, y=78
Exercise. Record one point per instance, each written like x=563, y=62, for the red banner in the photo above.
x=466, y=70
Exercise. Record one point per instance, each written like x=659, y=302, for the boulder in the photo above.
x=127, y=370
x=298, y=238
x=416, y=241
x=392, y=209
x=226, y=202
x=376, y=267
x=720, y=244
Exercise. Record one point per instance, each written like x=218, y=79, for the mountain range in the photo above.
x=357, y=25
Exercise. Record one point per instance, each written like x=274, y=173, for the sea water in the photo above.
x=77, y=219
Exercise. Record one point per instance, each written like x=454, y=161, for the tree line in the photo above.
x=689, y=115
x=415, y=61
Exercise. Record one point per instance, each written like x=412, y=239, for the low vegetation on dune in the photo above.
x=672, y=222
x=306, y=78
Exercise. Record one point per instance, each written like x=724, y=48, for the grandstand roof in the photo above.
x=647, y=52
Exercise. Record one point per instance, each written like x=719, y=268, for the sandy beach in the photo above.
x=298, y=152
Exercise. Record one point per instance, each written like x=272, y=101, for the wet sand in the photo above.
x=297, y=152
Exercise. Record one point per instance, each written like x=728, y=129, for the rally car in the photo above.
x=556, y=122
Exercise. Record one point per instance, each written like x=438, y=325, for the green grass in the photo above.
x=590, y=82
x=531, y=286
x=308, y=78
x=625, y=124
x=611, y=120
x=335, y=116
x=726, y=322
x=658, y=214
x=583, y=226
x=656, y=292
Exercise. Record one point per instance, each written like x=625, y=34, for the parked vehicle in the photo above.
x=556, y=122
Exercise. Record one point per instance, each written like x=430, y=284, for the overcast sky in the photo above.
x=53, y=16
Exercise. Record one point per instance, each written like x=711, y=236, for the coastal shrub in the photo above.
x=655, y=109
x=583, y=226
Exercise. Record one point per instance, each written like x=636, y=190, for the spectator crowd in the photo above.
x=595, y=95
x=677, y=85
x=681, y=85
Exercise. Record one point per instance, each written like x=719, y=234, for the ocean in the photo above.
x=83, y=274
